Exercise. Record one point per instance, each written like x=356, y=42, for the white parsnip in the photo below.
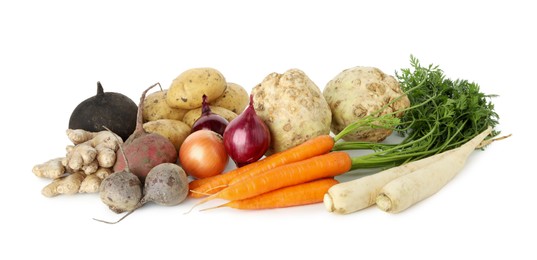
x=351, y=196
x=407, y=190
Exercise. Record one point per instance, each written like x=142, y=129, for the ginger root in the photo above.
x=69, y=184
x=91, y=150
x=87, y=162
x=51, y=169
x=90, y=184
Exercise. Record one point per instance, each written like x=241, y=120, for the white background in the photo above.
x=52, y=53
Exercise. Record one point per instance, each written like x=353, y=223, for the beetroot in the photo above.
x=145, y=150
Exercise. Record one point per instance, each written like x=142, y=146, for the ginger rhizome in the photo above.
x=87, y=162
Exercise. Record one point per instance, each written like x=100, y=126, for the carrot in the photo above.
x=408, y=190
x=321, y=166
x=296, y=195
x=313, y=147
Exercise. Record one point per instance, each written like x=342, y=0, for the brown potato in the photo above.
x=187, y=90
x=176, y=131
x=155, y=108
x=235, y=98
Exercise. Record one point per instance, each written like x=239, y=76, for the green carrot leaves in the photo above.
x=444, y=114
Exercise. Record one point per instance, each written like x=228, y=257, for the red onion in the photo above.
x=247, y=137
x=209, y=120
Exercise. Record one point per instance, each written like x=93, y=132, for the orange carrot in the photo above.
x=321, y=166
x=313, y=147
x=296, y=195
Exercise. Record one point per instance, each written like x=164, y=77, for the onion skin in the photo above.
x=209, y=120
x=203, y=155
x=247, y=137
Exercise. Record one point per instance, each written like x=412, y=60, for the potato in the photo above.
x=359, y=91
x=235, y=98
x=175, y=130
x=155, y=107
x=187, y=90
x=193, y=115
x=293, y=108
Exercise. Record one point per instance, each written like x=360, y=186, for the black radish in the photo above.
x=114, y=110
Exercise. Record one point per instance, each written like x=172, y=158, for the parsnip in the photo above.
x=407, y=190
x=351, y=196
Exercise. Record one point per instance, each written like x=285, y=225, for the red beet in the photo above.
x=145, y=150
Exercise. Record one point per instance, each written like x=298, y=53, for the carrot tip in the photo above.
x=215, y=207
x=216, y=187
x=200, y=202
x=200, y=192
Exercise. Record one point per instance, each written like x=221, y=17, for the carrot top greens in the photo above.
x=444, y=114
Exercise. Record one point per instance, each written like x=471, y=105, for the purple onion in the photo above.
x=209, y=120
x=247, y=137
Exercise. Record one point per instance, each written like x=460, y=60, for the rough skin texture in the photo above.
x=121, y=191
x=114, y=110
x=69, y=184
x=176, y=131
x=235, y=98
x=51, y=169
x=155, y=108
x=166, y=184
x=293, y=108
x=187, y=89
x=360, y=91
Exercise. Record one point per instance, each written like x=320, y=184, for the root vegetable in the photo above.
x=78, y=136
x=155, y=108
x=80, y=155
x=313, y=147
x=51, y=169
x=166, y=184
x=235, y=98
x=106, y=157
x=318, y=167
x=91, y=150
x=360, y=91
x=407, y=190
x=175, y=130
x=121, y=191
x=297, y=195
x=292, y=107
x=68, y=185
x=90, y=184
x=103, y=173
x=187, y=89
x=351, y=196
x=145, y=150
x=113, y=110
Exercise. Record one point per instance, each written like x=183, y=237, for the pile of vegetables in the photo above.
x=279, y=138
